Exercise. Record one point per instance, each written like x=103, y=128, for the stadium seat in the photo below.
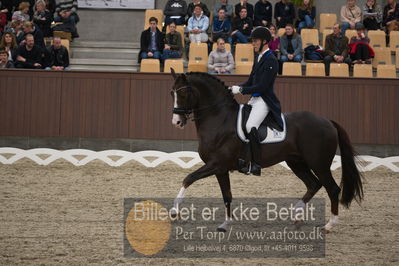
x=327, y=21
x=315, y=69
x=158, y=13
x=63, y=35
x=397, y=58
x=339, y=70
x=382, y=56
x=181, y=30
x=292, y=69
x=197, y=66
x=244, y=52
x=226, y=45
x=386, y=71
x=350, y=34
x=176, y=64
x=309, y=37
x=394, y=40
x=280, y=32
x=198, y=51
x=150, y=65
x=324, y=35
x=362, y=71
x=377, y=38
x=243, y=68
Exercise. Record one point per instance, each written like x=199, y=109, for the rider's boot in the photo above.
x=243, y=164
x=256, y=155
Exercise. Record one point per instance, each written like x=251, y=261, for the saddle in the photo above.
x=269, y=131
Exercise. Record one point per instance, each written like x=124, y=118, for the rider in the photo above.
x=260, y=85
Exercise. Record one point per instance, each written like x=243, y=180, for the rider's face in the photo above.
x=256, y=43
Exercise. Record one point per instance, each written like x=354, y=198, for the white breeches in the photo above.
x=258, y=113
x=199, y=37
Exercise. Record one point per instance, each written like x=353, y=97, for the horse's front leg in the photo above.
x=204, y=171
x=224, y=183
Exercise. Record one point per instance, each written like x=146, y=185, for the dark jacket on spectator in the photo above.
x=174, y=41
x=44, y=25
x=9, y=64
x=263, y=11
x=37, y=36
x=280, y=11
x=238, y=24
x=302, y=13
x=145, y=41
x=331, y=49
x=32, y=57
x=9, y=5
x=392, y=16
x=175, y=8
x=250, y=10
x=190, y=9
x=58, y=57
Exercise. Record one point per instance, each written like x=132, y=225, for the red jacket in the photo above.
x=353, y=47
x=3, y=21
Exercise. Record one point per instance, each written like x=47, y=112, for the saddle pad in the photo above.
x=267, y=134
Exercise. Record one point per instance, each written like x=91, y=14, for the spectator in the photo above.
x=249, y=7
x=175, y=10
x=372, y=15
x=198, y=25
x=227, y=8
x=22, y=13
x=336, y=49
x=192, y=5
x=3, y=22
x=15, y=27
x=173, y=43
x=29, y=28
x=66, y=12
x=151, y=41
x=50, y=6
x=351, y=16
x=263, y=13
x=274, y=45
x=221, y=27
x=43, y=18
x=306, y=15
x=220, y=61
x=9, y=44
x=28, y=54
x=4, y=62
x=242, y=27
x=6, y=7
x=284, y=13
x=290, y=45
x=359, y=50
x=58, y=56
x=391, y=16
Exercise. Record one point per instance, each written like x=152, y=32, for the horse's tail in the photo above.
x=351, y=183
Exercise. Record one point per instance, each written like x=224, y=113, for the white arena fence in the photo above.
x=79, y=157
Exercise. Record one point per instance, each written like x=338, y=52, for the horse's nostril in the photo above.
x=178, y=122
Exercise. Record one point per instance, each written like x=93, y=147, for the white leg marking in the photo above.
x=299, y=208
x=178, y=200
x=225, y=225
x=333, y=221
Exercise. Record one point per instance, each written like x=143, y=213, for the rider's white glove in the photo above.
x=235, y=89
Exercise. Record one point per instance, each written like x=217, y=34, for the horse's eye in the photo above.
x=171, y=93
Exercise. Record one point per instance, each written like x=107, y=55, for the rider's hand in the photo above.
x=235, y=89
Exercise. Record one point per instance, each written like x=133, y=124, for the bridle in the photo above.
x=182, y=111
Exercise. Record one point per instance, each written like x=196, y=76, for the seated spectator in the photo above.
x=220, y=61
x=58, y=56
x=6, y=7
x=151, y=41
x=29, y=28
x=351, y=16
x=221, y=27
x=227, y=8
x=22, y=13
x=175, y=11
x=359, y=50
x=372, y=15
x=3, y=22
x=198, y=25
x=290, y=45
x=43, y=18
x=284, y=13
x=192, y=5
x=249, y=7
x=15, y=27
x=173, y=43
x=9, y=44
x=263, y=13
x=66, y=12
x=306, y=15
x=336, y=49
x=391, y=16
x=28, y=54
x=241, y=27
x=274, y=45
x=4, y=62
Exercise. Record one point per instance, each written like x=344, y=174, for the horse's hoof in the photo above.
x=220, y=229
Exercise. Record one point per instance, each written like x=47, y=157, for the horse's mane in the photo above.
x=206, y=78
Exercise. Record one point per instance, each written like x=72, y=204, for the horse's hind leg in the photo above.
x=224, y=183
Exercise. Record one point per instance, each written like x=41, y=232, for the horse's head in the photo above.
x=184, y=99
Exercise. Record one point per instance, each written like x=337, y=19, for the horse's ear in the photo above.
x=173, y=73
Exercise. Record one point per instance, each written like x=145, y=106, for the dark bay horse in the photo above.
x=309, y=147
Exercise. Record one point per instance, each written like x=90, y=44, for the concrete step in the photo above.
x=100, y=44
x=103, y=62
x=106, y=53
x=105, y=68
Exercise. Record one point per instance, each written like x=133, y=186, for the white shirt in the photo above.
x=260, y=55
